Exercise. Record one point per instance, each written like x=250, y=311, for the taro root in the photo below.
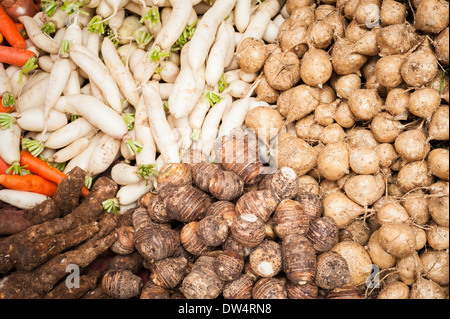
x=306, y=291
x=265, y=259
x=240, y=288
x=323, y=233
x=202, y=174
x=248, y=229
x=299, y=259
x=124, y=244
x=224, y=208
x=191, y=241
x=226, y=185
x=290, y=218
x=228, y=265
x=261, y=203
x=157, y=210
x=168, y=272
x=269, y=288
x=213, y=230
x=347, y=291
x=332, y=271
x=156, y=243
x=284, y=183
x=233, y=245
x=176, y=174
x=202, y=282
x=152, y=291
x=312, y=205
x=184, y=203
x=238, y=152
x=121, y=284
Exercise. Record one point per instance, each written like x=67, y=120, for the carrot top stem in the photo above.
x=32, y=146
x=8, y=100
x=15, y=169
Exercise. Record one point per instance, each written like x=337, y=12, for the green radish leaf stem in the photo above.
x=185, y=36
x=6, y=121
x=129, y=119
x=27, y=67
x=152, y=15
x=146, y=170
x=111, y=204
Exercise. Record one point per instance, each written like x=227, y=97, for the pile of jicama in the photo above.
x=132, y=83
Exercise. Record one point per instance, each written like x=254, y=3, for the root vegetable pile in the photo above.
x=228, y=149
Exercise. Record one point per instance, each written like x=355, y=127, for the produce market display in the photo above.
x=224, y=149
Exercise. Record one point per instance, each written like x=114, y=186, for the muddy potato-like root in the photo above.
x=282, y=70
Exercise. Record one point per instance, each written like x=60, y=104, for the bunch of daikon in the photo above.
x=129, y=85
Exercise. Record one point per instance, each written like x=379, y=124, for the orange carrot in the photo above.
x=14, y=56
x=29, y=183
x=10, y=32
x=7, y=103
x=21, y=29
x=44, y=169
x=1, y=38
x=3, y=166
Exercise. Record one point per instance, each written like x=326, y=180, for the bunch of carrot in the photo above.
x=14, y=53
x=41, y=177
